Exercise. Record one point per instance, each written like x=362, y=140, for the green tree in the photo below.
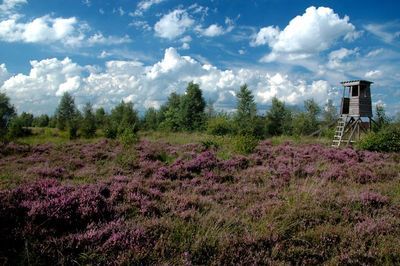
x=17, y=128
x=192, y=108
x=26, y=119
x=53, y=121
x=209, y=110
x=305, y=123
x=382, y=120
x=329, y=114
x=150, y=119
x=7, y=112
x=246, y=111
x=300, y=124
x=279, y=119
x=123, y=117
x=66, y=111
x=312, y=110
x=170, y=113
x=101, y=117
x=88, y=125
x=127, y=117
x=41, y=121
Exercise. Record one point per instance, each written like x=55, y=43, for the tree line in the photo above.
x=182, y=112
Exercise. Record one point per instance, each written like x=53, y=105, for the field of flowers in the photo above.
x=158, y=203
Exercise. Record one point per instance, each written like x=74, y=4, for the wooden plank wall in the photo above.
x=365, y=107
x=354, y=106
x=360, y=105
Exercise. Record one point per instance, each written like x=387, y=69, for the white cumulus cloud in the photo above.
x=266, y=35
x=173, y=24
x=40, y=30
x=39, y=90
x=149, y=85
x=99, y=38
x=48, y=29
x=4, y=75
x=211, y=31
x=314, y=31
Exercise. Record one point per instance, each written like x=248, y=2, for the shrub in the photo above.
x=209, y=144
x=73, y=127
x=385, y=140
x=128, y=137
x=110, y=131
x=219, y=126
x=16, y=128
x=245, y=144
x=41, y=121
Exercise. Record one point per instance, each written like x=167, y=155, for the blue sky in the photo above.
x=141, y=51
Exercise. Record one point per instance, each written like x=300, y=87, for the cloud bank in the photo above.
x=148, y=86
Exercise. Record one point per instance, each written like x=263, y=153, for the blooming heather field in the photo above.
x=157, y=203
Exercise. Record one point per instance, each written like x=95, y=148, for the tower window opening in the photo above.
x=354, y=91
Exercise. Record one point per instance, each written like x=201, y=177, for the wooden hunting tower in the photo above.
x=355, y=112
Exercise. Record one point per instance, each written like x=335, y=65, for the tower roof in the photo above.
x=355, y=82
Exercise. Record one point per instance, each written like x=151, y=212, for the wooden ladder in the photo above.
x=339, y=131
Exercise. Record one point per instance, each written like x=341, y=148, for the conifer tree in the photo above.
x=170, y=113
x=7, y=112
x=278, y=118
x=246, y=111
x=382, y=119
x=329, y=114
x=66, y=111
x=192, y=108
x=101, y=117
x=150, y=119
x=88, y=126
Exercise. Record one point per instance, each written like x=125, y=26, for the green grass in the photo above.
x=56, y=136
x=174, y=137
x=301, y=140
x=52, y=135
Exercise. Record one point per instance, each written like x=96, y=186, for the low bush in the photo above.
x=245, y=144
x=73, y=131
x=385, y=140
x=128, y=137
x=110, y=132
x=219, y=126
x=16, y=129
